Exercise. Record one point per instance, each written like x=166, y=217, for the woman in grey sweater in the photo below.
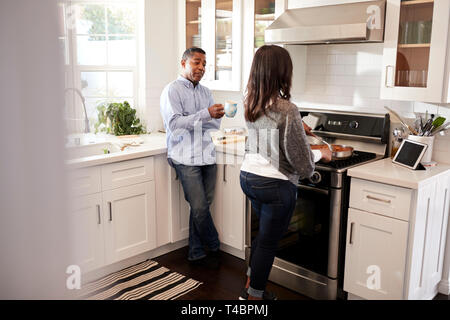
x=277, y=156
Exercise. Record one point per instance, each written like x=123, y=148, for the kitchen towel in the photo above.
x=144, y=281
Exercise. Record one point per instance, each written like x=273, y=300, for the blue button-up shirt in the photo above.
x=184, y=109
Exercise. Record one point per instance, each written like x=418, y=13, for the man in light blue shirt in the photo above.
x=189, y=114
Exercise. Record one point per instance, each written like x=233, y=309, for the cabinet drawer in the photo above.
x=84, y=181
x=384, y=199
x=125, y=173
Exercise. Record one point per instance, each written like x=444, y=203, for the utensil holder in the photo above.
x=429, y=140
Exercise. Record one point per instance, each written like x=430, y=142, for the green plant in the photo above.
x=118, y=119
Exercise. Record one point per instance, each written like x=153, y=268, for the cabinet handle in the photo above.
x=110, y=210
x=224, y=173
x=98, y=214
x=351, y=233
x=378, y=199
x=386, y=77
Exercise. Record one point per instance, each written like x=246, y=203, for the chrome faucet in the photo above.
x=83, y=100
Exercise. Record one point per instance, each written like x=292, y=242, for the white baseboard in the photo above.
x=103, y=271
x=444, y=287
x=351, y=296
x=233, y=251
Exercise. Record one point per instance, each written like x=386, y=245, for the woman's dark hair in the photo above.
x=270, y=79
x=190, y=52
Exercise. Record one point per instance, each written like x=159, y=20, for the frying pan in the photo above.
x=338, y=151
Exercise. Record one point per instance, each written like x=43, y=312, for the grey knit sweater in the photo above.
x=280, y=138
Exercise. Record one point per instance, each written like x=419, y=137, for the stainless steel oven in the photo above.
x=310, y=255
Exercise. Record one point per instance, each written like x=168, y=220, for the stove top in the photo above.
x=358, y=157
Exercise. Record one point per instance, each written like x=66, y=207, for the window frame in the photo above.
x=73, y=70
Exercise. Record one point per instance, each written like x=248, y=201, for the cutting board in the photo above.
x=230, y=138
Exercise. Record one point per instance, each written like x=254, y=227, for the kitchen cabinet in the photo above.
x=396, y=238
x=259, y=14
x=179, y=209
x=129, y=221
x=229, y=206
x=113, y=212
x=415, y=62
x=227, y=209
x=216, y=27
x=87, y=233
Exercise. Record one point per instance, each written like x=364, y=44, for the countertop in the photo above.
x=385, y=171
x=150, y=145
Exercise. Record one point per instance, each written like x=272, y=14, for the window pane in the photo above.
x=264, y=16
x=93, y=84
x=122, y=51
x=121, y=18
x=120, y=84
x=90, y=18
x=224, y=46
x=91, y=50
x=91, y=109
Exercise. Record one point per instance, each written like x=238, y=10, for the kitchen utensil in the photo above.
x=322, y=141
x=341, y=151
x=427, y=127
x=439, y=121
x=441, y=129
x=396, y=115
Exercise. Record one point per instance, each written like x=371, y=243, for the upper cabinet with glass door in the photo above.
x=214, y=26
x=221, y=39
x=415, y=49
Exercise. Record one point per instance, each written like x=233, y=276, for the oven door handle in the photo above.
x=313, y=189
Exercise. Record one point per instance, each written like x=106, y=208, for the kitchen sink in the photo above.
x=89, y=150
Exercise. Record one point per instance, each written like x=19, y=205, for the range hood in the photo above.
x=341, y=23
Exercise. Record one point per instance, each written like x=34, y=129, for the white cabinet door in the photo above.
x=221, y=39
x=420, y=239
x=233, y=212
x=375, y=256
x=228, y=209
x=87, y=234
x=180, y=209
x=435, y=235
x=414, y=61
x=218, y=201
x=130, y=224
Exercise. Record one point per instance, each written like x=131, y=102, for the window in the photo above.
x=101, y=53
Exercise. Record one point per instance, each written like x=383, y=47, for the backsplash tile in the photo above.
x=347, y=75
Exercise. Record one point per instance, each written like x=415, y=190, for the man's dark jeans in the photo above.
x=273, y=201
x=198, y=184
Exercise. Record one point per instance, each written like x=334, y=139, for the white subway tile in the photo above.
x=336, y=70
x=332, y=58
x=316, y=69
x=317, y=49
x=421, y=107
x=315, y=59
x=346, y=59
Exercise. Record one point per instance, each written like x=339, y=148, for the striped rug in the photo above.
x=144, y=281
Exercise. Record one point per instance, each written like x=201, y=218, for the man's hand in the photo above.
x=216, y=111
x=326, y=155
x=307, y=129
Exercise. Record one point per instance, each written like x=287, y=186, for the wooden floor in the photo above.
x=225, y=283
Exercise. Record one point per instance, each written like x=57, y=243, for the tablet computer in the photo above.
x=410, y=153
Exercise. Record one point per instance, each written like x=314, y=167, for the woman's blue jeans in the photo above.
x=273, y=201
x=198, y=185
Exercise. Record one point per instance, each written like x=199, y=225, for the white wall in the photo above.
x=33, y=217
x=161, y=61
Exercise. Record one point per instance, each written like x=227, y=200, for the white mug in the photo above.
x=230, y=109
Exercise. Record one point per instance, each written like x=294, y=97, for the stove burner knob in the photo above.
x=316, y=177
x=353, y=124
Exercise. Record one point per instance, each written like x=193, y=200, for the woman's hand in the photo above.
x=326, y=155
x=307, y=129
